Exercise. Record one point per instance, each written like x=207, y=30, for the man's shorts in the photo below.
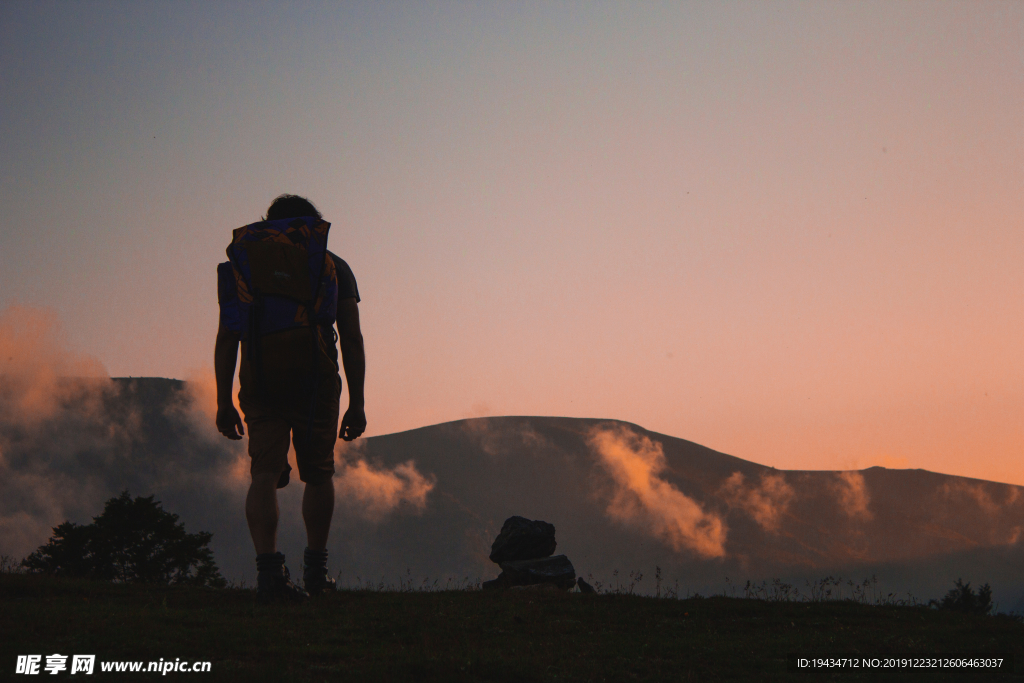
x=273, y=428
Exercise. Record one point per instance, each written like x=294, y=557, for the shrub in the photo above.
x=962, y=598
x=133, y=541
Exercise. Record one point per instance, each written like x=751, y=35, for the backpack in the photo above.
x=286, y=298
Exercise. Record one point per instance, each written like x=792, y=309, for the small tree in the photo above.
x=67, y=553
x=134, y=540
x=962, y=598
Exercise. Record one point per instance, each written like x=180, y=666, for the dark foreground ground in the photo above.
x=472, y=635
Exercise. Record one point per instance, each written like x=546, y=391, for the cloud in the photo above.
x=374, y=492
x=766, y=503
x=71, y=437
x=201, y=398
x=51, y=400
x=196, y=405
x=853, y=495
x=999, y=503
x=508, y=439
x=977, y=493
x=479, y=409
x=39, y=372
x=643, y=499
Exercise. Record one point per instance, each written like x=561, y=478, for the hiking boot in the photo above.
x=278, y=588
x=315, y=576
x=319, y=585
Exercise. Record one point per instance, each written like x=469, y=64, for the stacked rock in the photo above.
x=523, y=551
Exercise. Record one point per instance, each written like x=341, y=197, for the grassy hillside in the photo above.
x=520, y=635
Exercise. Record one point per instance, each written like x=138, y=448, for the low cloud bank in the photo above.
x=71, y=437
x=373, y=492
x=644, y=500
x=980, y=495
x=853, y=496
x=53, y=428
x=504, y=441
x=766, y=502
x=991, y=500
x=36, y=367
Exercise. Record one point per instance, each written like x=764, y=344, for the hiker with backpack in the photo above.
x=281, y=293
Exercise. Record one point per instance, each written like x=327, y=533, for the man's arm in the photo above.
x=225, y=356
x=353, y=359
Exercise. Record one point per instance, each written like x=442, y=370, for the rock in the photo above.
x=584, y=586
x=494, y=584
x=522, y=539
x=557, y=570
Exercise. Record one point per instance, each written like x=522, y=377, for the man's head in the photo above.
x=290, y=206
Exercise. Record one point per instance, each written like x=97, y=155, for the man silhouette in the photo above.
x=275, y=396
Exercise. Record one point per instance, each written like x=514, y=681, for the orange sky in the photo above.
x=792, y=232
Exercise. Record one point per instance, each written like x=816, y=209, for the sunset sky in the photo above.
x=790, y=232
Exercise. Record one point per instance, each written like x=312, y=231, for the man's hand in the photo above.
x=353, y=424
x=229, y=423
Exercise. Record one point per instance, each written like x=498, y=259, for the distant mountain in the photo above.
x=916, y=530
x=428, y=502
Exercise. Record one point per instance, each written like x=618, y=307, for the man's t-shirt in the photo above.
x=347, y=288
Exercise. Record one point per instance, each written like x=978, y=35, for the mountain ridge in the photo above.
x=431, y=499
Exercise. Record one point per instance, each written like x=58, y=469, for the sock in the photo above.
x=315, y=562
x=269, y=565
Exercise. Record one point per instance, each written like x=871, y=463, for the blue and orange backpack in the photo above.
x=284, y=305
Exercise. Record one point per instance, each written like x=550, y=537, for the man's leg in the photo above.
x=269, y=438
x=261, y=511
x=317, y=511
x=314, y=455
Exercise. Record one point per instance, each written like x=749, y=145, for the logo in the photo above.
x=29, y=664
